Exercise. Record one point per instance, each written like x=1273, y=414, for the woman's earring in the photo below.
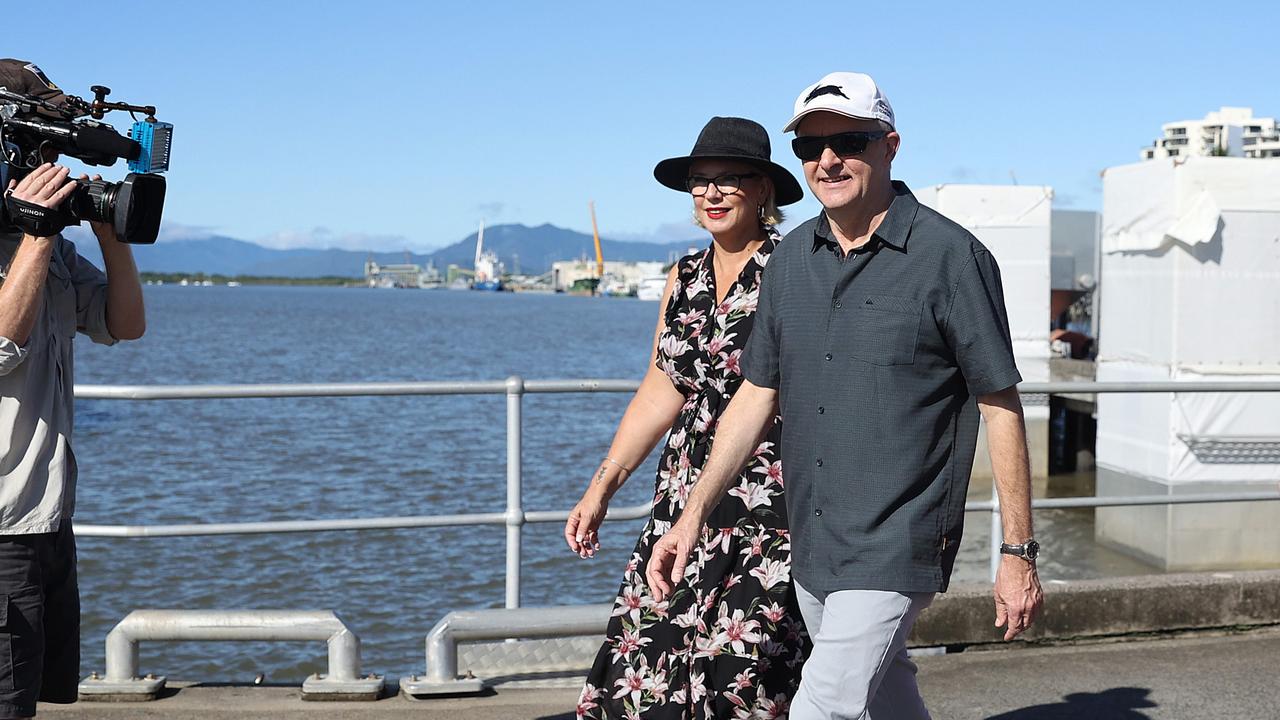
x=760, y=212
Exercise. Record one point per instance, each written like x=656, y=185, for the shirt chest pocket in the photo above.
x=883, y=329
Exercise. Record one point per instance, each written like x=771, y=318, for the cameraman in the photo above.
x=47, y=293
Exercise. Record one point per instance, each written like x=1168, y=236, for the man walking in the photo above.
x=47, y=293
x=882, y=335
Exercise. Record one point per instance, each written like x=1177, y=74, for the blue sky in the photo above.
x=390, y=125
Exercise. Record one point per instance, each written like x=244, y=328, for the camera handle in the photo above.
x=99, y=108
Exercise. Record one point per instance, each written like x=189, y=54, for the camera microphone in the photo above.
x=94, y=144
x=105, y=141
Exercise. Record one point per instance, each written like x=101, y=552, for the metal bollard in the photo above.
x=122, y=681
x=442, y=676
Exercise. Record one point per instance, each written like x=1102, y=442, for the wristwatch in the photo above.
x=1027, y=550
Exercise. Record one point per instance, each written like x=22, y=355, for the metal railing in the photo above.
x=123, y=680
x=515, y=516
x=441, y=676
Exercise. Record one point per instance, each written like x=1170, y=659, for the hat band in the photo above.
x=725, y=150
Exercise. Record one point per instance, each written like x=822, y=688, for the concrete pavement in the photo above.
x=1195, y=676
x=1203, y=676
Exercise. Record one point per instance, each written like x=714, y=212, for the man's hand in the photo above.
x=46, y=186
x=669, y=558
x=1018, y=595
x=104, y=231
x=33, y=202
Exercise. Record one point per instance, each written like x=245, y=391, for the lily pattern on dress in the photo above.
x=728, y=642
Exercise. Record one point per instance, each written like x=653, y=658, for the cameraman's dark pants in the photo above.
x=39, y=621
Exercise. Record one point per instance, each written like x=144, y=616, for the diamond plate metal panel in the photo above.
x=1234, y=451
x=529, y=657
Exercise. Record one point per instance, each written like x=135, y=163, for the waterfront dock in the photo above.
x=1218, y=674
x=1146, y=646
x=1173, y=646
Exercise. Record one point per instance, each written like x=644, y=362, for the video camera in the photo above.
x=30, y=126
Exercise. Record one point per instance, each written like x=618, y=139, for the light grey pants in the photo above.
x=859, y=669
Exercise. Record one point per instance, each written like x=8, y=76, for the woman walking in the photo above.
x=729, y=641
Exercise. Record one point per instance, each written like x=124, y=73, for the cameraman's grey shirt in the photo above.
x=878, y=356
x=37, y=465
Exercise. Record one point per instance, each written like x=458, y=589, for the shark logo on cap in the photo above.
x=34, y=70
x=825, y=90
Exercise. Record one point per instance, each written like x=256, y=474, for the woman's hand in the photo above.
x=581, y=531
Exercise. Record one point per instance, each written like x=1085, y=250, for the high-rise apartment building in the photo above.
x=1231, y=131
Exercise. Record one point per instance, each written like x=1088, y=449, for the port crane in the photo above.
x=592, y=284
x=595, y=233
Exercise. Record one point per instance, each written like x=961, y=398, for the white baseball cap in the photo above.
x=850, y=94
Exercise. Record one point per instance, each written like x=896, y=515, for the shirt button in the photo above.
x=821, y=410
x=828, y=356
x=818, y=512
x=819, y=462
x=837, y=304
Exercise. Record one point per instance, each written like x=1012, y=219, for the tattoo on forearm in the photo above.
x=600, y=474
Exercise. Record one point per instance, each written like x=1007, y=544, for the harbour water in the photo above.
x=281, y=459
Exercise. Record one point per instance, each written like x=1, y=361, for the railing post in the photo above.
x=565, y=621
x=344, y=680
x=515, y=506
x=997, y=531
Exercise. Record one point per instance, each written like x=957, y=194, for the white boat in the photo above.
x=651, y=288
x=611, y=286
x=488, y=267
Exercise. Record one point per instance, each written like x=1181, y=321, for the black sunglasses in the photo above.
x=726, y=184
x=846, y=144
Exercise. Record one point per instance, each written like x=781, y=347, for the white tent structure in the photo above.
x=1013, y=221
x=1191, y=291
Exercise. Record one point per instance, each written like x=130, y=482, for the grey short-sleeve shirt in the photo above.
x=878, y=356
x=37, y=409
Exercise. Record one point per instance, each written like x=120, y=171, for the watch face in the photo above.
x=1032, y=550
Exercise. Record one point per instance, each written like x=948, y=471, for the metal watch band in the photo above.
x=1022, y=550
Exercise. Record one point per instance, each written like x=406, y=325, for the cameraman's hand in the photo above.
x=46, y=186
x=105, y=232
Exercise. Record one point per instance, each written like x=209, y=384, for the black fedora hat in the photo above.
x=730, y=138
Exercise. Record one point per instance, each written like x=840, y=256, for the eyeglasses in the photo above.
x=726, y=184
x=847, y=144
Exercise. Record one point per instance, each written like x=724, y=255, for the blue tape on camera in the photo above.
x=155, y=138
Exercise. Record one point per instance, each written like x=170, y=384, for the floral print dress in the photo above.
x=729, y=641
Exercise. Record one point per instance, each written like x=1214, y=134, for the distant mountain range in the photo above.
x=530, y=250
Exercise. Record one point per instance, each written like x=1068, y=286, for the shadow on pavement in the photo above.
x=1114, y=704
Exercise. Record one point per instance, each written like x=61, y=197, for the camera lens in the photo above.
x=91, y=200
x=138, y=203
x=133, y=206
